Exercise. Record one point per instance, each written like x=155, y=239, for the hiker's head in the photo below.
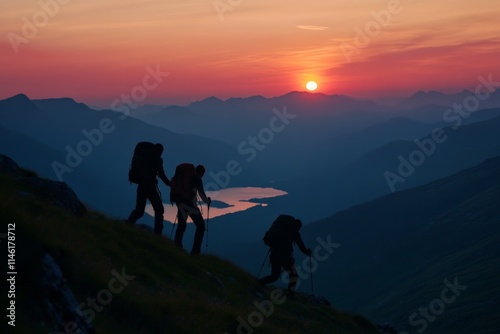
x=297, y=224
x=159, y=148
x=200, y=170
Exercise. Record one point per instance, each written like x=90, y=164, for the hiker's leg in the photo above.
x=140, y=204
x=275, y=271
x=181, y=224
x=154, y=198
x=200, y=230
x=292, y=275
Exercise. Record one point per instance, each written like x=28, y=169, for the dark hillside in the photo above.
x=75, y=266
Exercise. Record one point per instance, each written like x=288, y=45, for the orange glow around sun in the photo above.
x=311, y=85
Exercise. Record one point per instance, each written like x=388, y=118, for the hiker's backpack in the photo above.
x=142, y=167
x=181, y=185
x=280, y=231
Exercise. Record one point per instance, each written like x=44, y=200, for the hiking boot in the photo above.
x=128, y=222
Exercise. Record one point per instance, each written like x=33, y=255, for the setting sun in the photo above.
x=311, y=85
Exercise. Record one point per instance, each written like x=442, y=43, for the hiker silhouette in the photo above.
x=146, y=166
x=186, y=186
x=280, y=238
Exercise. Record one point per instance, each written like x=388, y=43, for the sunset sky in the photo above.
x=96, y=50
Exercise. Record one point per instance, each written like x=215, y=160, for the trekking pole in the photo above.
x=262, y=266
x=173, y=225
x=159, y=191
x=208, y=219
x=310, y=266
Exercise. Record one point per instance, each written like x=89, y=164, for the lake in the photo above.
x=225, y=201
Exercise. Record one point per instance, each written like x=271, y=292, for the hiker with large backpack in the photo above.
x=186, y=186
x=280, y=237
x=146, y=166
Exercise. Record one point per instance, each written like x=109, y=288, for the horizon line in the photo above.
x=381, y=98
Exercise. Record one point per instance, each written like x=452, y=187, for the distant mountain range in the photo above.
x=334, y=183
x=347, y=143
x=421, y=106
x=337, y=122
x=423, y=98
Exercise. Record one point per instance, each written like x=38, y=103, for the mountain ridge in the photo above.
x=411, y=101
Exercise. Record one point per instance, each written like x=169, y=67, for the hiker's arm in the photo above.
x=201, y=192
x=161, y=174
x=298, y=240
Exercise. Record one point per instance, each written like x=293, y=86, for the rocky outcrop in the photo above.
x=60, y=304
x=59, y=193
x=9, y=166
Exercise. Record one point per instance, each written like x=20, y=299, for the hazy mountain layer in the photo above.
x=397, y=252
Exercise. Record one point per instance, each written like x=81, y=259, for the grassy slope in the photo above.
x=172, y=291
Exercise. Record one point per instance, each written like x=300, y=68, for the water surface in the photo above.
x=226, y=201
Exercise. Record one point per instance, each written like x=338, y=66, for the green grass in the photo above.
x=172, y=291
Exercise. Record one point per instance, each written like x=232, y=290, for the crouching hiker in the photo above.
x=280, y=238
